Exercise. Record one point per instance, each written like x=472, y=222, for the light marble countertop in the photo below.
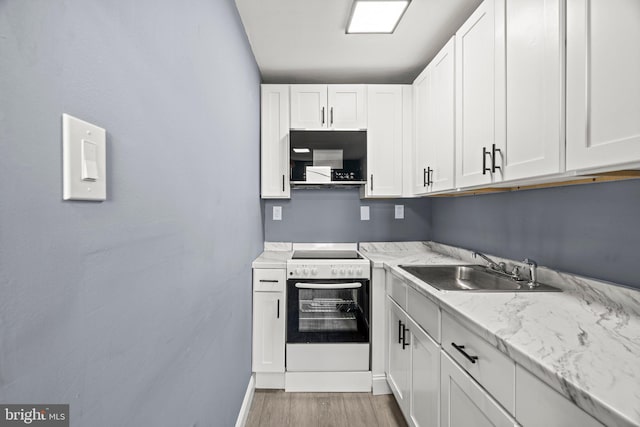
x=583, y=342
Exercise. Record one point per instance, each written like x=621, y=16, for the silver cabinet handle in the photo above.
x=302, y=285
x=331, y=122
x=323, y=115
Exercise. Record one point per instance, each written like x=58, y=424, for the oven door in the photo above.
x=327, y=311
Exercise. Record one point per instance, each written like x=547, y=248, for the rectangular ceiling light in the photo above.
x=301, y=150
x=376, y=16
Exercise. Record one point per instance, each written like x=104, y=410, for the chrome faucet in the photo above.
x=533, y=272
x=497, y=266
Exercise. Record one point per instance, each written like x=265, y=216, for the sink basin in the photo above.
x=470, y=278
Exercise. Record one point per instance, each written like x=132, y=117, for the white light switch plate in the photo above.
x=277, y=213
x=399, y=212
x=364, y=213
x=84, y=173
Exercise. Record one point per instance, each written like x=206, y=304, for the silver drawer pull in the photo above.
x=355, y=285
x=268, y=281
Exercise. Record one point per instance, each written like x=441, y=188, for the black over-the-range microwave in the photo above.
x=328, y=156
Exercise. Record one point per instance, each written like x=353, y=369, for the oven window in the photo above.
x=330, y=310
x=316, y=315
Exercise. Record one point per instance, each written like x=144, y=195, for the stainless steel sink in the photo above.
x=470, y=278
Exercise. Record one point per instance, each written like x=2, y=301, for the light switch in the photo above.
x=277, y=213
x=89, y=160
x=83, y=160
x=399, y=212
x=364, y=213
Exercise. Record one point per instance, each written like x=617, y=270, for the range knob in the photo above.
x=359, y=272
x=314, y=271
x=351, y=271
x=306, y=271
x=297, y=271
x=334, y=271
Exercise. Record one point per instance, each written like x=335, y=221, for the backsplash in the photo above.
x=333, y=215
x=590, y=230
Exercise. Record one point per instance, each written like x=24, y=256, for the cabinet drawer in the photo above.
x=492, y=369
x=424, y=312
x=268, y=280
x=397, y=290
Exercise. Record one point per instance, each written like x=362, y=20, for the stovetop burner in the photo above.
x=326, y=254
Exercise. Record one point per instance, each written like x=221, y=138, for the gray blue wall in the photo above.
x=333, y=215
x=591, y=230
x=137, y=310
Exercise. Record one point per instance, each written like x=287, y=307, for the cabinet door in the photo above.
x=441, y=135
x=479, y=93
x=268, y=331
x=421, y=97
x=534, y=79
x=347, y=107
x=425, y=378
x=274, y=140
x=532, y=395
x=399, y=357
x=384, y=141
x=309, y=107
x=464, y=403
x=603, y=87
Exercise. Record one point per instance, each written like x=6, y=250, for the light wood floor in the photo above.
x=275, y=408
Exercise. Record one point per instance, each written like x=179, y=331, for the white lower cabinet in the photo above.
x=424, y=391
x=414, y=368
x=458, y=379
x=538, y=405
x=268, y=320
x=465, y=403
x=398, y=369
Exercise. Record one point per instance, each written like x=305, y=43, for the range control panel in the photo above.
x=329, y=270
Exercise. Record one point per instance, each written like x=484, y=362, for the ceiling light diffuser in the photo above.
x=301, y=150
x=376, y=16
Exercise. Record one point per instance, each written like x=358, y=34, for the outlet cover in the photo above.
x=277, y=213
x=364, y=213
x=399, y=212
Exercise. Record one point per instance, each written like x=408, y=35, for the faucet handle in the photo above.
x=530, y=262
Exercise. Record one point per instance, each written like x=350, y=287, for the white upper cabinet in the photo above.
x=603, y=83
x=534, y=88
x=317, y=107
x=308, y=106
x=421, y=96
x=384, y=141
x=347, y=106
x=274, y=141
x=480, y=97
x=441, y=110
x=434, y=97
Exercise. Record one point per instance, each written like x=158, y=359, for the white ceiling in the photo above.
x=304, y=41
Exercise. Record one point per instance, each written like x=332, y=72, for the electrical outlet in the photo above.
x=277, y=213
x=364, y=213
x=399, y=212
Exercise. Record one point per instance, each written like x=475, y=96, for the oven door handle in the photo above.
x=355, y=285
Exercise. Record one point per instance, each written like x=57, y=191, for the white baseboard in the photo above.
x=246, y=403
x=380, y=385
x=274, y=380
x=328, y=381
